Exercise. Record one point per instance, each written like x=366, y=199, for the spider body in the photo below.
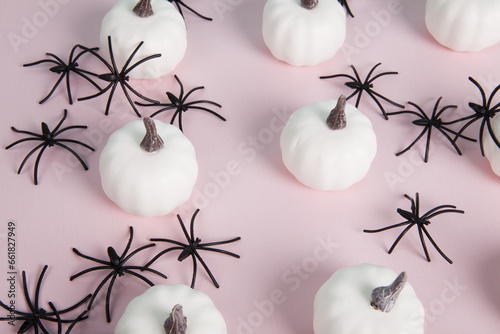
x=117, y=77
x=428, y=123
x=181, y=105
x=484, y=112
x=179, y=3
x=191, y=248
x=36, y=316
x=413, y=218
x=64, y=70
x=49, y=139
x=117, y=265
x=360, y=86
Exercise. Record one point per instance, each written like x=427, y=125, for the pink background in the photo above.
x=284, y=225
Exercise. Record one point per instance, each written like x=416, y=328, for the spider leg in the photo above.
x=108, y=297
x=58, y=317
x=143, y=60
x=101, y=92
x=440, y=129
x=162, y=110
x=65, y=114
x=59, y=60
x=456, y=134
x=181, y=93
x=123, y=260
x=144, y=279
x=99, y=287
x=413, y=143
x=178, y=7
x=206, y=269
x=220, y=242
x=162, y=253
x=380, y=75
x=404, y=112
x=41, y=62
x=338, y=76
x=481, y=90
x=76, y=142
x=493, y=93
x=422, y=240
x=202, y=247
x=401, y=236
x=55, y=134
x=53, y=88
x=444, y=211
x=473, y=118
x=384, y=114
x=191, y=92
x=492, y=132
x=74, y=154
x=127, y=269
x=82, y=316
x=428, y=143
x=43, y=146
x=385, y=99
x=26, y=293
x=367, y=79
x=71, y=308
x=77, y=252
x=436, y=246
x=195, y=12
x=180, y=120
x=28, y=133
x=68, y=87
x=129, y=243
x=209, y=111
x=98, y=56
x=88, y=270
x=129, y=99
x=481, y=134
x=110, y=97
x=145, y=98
x=195, y=271
x=202, y=101
x=387, y=228
x=21, y=141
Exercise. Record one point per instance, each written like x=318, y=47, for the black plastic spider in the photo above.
x=180, y=3
x=485, y=112
x=115, y=77
x=191, y=249
x=34, y=318
x=414, y=218
x=116, y=265
x=65, y=69
x=367, y=86
x=180, y=105
x=346, y=5
x=428, y=123
x=48, y=139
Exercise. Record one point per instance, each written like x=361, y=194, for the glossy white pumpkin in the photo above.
x=148, y=184
x=326, y=159
x=300, y=36
x=342, y=304
x=491, y=150
x=146, y=313
x=464, y=25
x=164, y=32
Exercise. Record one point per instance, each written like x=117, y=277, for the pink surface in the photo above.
x=293, y=238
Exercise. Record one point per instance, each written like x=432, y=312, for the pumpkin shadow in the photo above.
x=248, y=18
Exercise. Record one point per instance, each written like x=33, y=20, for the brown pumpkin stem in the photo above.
x=308, y=4
x=176, y=323
x=337, y=120
x=151, y=142
x=384, y=298
x=143, y=8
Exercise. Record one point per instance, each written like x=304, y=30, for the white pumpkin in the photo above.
x=464, y=25
x=163, y=32
x=491, y=150
x=301, y=36
x=147, y=313
x=148, y=183
x=326, y=159
x=342, y=304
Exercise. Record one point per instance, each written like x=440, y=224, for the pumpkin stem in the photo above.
x=308, y=4
x=336, y=120
x=151, y=142
x=384, y=298
x=176, y=323
x=143, y=8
